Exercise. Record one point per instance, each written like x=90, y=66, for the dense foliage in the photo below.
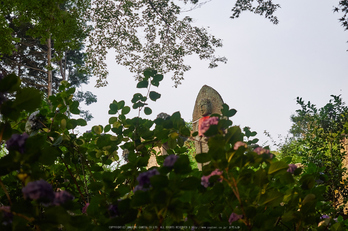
x=53, y=179
x=319, y=138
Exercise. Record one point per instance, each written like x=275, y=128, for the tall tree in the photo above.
x=58, y=23
x=48, y=45
x=144, y=33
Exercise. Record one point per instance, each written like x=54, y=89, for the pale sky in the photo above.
x=268, y=67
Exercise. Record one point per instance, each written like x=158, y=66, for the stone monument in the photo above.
x=208, y=102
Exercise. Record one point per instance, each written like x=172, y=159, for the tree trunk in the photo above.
x=49, y=71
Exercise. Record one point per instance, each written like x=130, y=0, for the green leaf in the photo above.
x=156, y=79
x=277, y=166
x=27, y=99
x=120, y=104
x=309, y=198
x=182, y=165
x=58, y=141
x=147, y=111
x=272, y=198
x=97, y=129
x=10, y=83
x=113, y=107
x=154, y=95
x=137, y=97
x=112, y=120
x=143, y=84
x=71, y=91
x=125, y=110
x=5, y=130
x=74, y=108
x=49, y=155
x=185, y=131
x=190, y=183
x=140, y=198
x=81, y=122
x=213, y=130
x=159, y=181
x=95, y=186
x=224, y=110
x=107, y=128
x=231, y=113
x=172, y=143
x=149, y=72
x=203, y=157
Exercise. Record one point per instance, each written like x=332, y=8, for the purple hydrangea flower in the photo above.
x=84, y=209
x=17, y=142
x=113, y=210
x=39, y=190
x=139, y=187
x=144, y=179
x=62, y=197
x=324, y=217
x=170, y=160
x=234, y=217
x=205, y=179
x=7, y=215
x=292, y=168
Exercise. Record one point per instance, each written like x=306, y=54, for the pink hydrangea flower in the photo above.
x=84, y=209
x=205, y=123
x=234, y=217
x=205, y=179
x=292, y=168
x=261, y=151
x=239, y=144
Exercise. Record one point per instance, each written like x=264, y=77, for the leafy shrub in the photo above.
x=56, y=180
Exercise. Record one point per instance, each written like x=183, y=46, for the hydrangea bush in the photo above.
x=54, y=179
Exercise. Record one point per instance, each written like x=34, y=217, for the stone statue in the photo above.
x=208, y=102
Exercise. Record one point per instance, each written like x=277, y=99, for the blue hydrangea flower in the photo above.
x=170, y=160
x=17, y=142
x=62, y=197
x=39, y=190
x=144, y=179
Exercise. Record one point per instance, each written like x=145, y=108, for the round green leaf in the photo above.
x=154, y=95
x=125, y=110
x=147, y=111
x=143, y=84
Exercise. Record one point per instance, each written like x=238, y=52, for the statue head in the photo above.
x=205, y=107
